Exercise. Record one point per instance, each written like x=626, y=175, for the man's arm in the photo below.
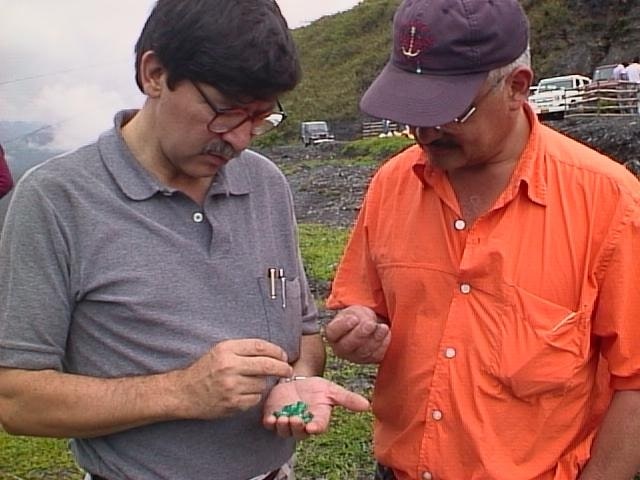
x=616, y=452
x=312, y=357
x=230, y=377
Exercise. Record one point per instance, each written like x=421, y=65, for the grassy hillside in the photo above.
x=342, y=53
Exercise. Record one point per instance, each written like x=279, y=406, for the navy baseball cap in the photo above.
x=443, y=51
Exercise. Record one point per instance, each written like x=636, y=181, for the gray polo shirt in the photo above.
x=106, y=272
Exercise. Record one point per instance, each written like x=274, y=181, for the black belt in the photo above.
x=271, y=476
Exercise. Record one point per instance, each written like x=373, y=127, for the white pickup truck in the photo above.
x=554, y=95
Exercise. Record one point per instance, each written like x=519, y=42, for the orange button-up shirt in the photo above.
x=499, y=329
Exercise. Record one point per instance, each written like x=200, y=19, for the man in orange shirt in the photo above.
x=493, y=270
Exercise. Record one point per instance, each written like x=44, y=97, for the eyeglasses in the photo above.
x=462, y=119
x=226, y=119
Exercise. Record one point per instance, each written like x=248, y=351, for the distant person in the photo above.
x=633, y=70
x=153, y=303
x=6, y=180
x=493, y=270
x=620, y=72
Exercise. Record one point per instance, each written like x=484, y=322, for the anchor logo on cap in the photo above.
x=412, y=42
x=410, y=52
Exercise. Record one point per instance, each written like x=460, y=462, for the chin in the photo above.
x=446, y=159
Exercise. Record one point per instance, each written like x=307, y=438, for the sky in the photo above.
x=69, y=63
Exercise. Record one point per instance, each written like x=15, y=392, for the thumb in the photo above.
x=344, y=398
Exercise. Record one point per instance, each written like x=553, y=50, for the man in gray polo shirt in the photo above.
x=153, y=305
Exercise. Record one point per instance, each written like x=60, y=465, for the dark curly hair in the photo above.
x=243, y=48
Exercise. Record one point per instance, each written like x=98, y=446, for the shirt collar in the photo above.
x=530, y=169
x=138, y=184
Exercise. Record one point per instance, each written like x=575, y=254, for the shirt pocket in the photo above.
x=542, y=345
x=283, y=314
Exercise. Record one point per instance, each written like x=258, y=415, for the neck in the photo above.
x=477, y=187
x=140, y=135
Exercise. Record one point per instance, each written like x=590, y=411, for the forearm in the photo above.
x=53, y=404
x=312, y=356
x=616, y=451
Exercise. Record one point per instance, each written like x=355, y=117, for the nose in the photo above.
x=240, y=137
x=426, y=135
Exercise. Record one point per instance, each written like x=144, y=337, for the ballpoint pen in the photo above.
x=271, y=275
x=283, y=284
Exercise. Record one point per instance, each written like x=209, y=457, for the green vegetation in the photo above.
x=321, y=248
x=36, y=458
x=374, y=150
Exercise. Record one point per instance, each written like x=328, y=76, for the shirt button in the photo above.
x=450, y=352
x=459, y=224
x=465, y=288
x=436, y=415
x=427, y=476
x=198, y=217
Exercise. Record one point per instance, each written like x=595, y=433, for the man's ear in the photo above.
x=152, y=74
x=518, y=83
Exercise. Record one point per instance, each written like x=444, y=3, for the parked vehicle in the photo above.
x=316, y=132
x=554, y=95
x=603, y=73
x=611, y=96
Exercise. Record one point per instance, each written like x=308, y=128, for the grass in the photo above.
x=371, y=151
x=321, y=248
x=36, y=458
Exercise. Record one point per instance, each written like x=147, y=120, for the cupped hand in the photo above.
x=319, y=394
x=358, y=335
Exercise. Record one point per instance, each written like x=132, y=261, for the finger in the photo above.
x=298, y=428
x=374, y=348
x=317, y=426
x=269, y=422
x=265, y=366
x=351, y=401
x=254, y=347
x=362, y=338
x=379, y=353
x=342, y=324
x=291, y=427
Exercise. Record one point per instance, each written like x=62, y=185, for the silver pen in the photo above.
x=271, y=275
x=283, y=284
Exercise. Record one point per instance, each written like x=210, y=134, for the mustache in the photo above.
x=443, y=143
x=221, y=149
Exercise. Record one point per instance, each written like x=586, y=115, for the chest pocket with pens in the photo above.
x=283, y=310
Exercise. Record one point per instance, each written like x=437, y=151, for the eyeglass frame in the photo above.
x=462, y=119
x=219, y=112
